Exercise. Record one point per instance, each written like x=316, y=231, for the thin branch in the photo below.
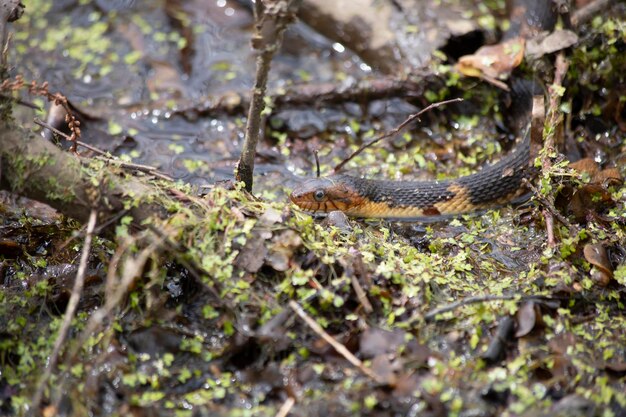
x=586, y=13
x=20, y=101
x=341, y=349
x=394, y=131
x=360, y=294
x=106, y=156
x=317, y=163
x=553, y=121
x=69, y=313
x=431, y=315
x=271, y=22
x=549, y=205
x=286, y=407
x=116, y=291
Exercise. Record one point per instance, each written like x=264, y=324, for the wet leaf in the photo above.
x=596, y=255
x=282, y=249
x=374, y=342
x=526, y=318
x=252, y=256
x=382, y=366
x=550, y=43
x=592, y=197
x=270, y=217
x=493, y=61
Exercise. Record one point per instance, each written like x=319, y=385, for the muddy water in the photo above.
x=128, y=66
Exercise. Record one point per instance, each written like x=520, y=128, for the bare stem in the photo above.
x=69, y=313
x=394, y=131
x=271, y=22
x=341, y=349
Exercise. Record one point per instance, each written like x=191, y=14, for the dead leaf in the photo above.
x=561, y=342
x=270, y=217
x=526, y=317
x=374, y=342
x=493, y=62
x=596, y=255
x=593, y=197
x=381, y=366
x=281, y=251
x=252, y=256
x=549, y=43
x=406, y=384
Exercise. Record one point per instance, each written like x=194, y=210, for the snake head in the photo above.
x=326, y=194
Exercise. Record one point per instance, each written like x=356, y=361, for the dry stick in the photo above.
x=431, y=315
x=551, y=210
x=360, y=294
x=341, y=349
x=394, y=131
x=106, y=156
x=585, y=13
x=286, y=407
x=317, y=162
x=10, y=11
x=554, y=119
x=69, y=313
x=271, y=22
x=116, y=291
x=20, y=101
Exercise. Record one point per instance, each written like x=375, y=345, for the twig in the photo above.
x=585, y=13
x=310, y=94
x=353, y=267
x=286, y=407
x=116, y=290
x=549, y=227
x=549, y=205
x=555, y=116
x=271, y=21
x=69, y=313
x=57, y=99
x=394, y=131
x=20, y=101
x=10, y=11
x=341, y=349
x=317, y=163
x=431, y=315
x=554, y=119
x=360, y=294
x=106, y=156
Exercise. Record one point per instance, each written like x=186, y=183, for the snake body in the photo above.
x=492, y=186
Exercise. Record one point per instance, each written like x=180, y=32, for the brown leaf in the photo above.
x=591, y=198
x=596, y=255
x=270, y=217
x=618, y=368
x=381, y=365
x=526, y=318
x=493, y=61
x=281, y=251
x=546, y=44
x=406, y=384
x=252, y=256
x=559, y=343
x=374, y=342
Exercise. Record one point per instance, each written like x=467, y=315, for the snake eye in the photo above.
x=319, y=195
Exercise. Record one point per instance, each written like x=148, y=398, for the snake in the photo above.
x=492, y=186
